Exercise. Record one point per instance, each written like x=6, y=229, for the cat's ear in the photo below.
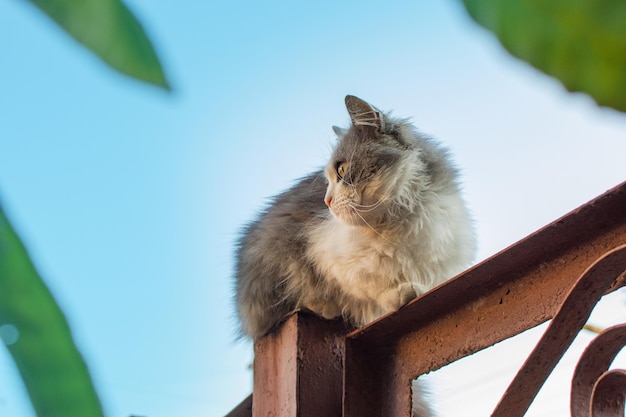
x=339, y=131
x=364, y=114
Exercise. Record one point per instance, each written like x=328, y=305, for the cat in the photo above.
x=383, y=222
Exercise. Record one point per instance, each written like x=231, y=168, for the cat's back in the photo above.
x=287, y=214
x=270, y=255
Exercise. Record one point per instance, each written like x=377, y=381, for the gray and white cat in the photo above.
x=384, y=221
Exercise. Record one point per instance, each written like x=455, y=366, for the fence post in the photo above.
x=298, y=369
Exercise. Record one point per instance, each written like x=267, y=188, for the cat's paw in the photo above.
x=396, y=297
x=327, y=310
x=330, y=311
x=406, y=293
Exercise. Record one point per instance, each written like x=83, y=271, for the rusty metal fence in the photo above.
x=315, y=368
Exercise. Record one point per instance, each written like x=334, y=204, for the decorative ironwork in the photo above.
x=596, y=390
x=603, y=276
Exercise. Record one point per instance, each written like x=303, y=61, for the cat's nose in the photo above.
x=327, y=200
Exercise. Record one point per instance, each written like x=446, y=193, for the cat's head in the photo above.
x=372, y=167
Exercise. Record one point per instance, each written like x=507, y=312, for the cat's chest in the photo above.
x=354, y=258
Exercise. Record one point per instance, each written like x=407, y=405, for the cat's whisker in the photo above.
x=355, y=211
x=364, y=208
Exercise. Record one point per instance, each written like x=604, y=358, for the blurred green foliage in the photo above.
x=582, y=43
x=37, y=335
x=109, y=29
x=32, y=325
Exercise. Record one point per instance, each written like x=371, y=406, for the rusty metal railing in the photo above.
x=312, y=367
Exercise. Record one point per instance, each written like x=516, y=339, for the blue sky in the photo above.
x=130, y=199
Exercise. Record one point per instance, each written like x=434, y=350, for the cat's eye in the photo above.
x=341, y=169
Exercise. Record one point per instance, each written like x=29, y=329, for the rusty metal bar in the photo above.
x=298, y=369
x=513, y=291
x=243, y=409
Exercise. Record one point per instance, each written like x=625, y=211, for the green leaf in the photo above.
x=580, y=42
x=38, y=338
x=110, y=30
